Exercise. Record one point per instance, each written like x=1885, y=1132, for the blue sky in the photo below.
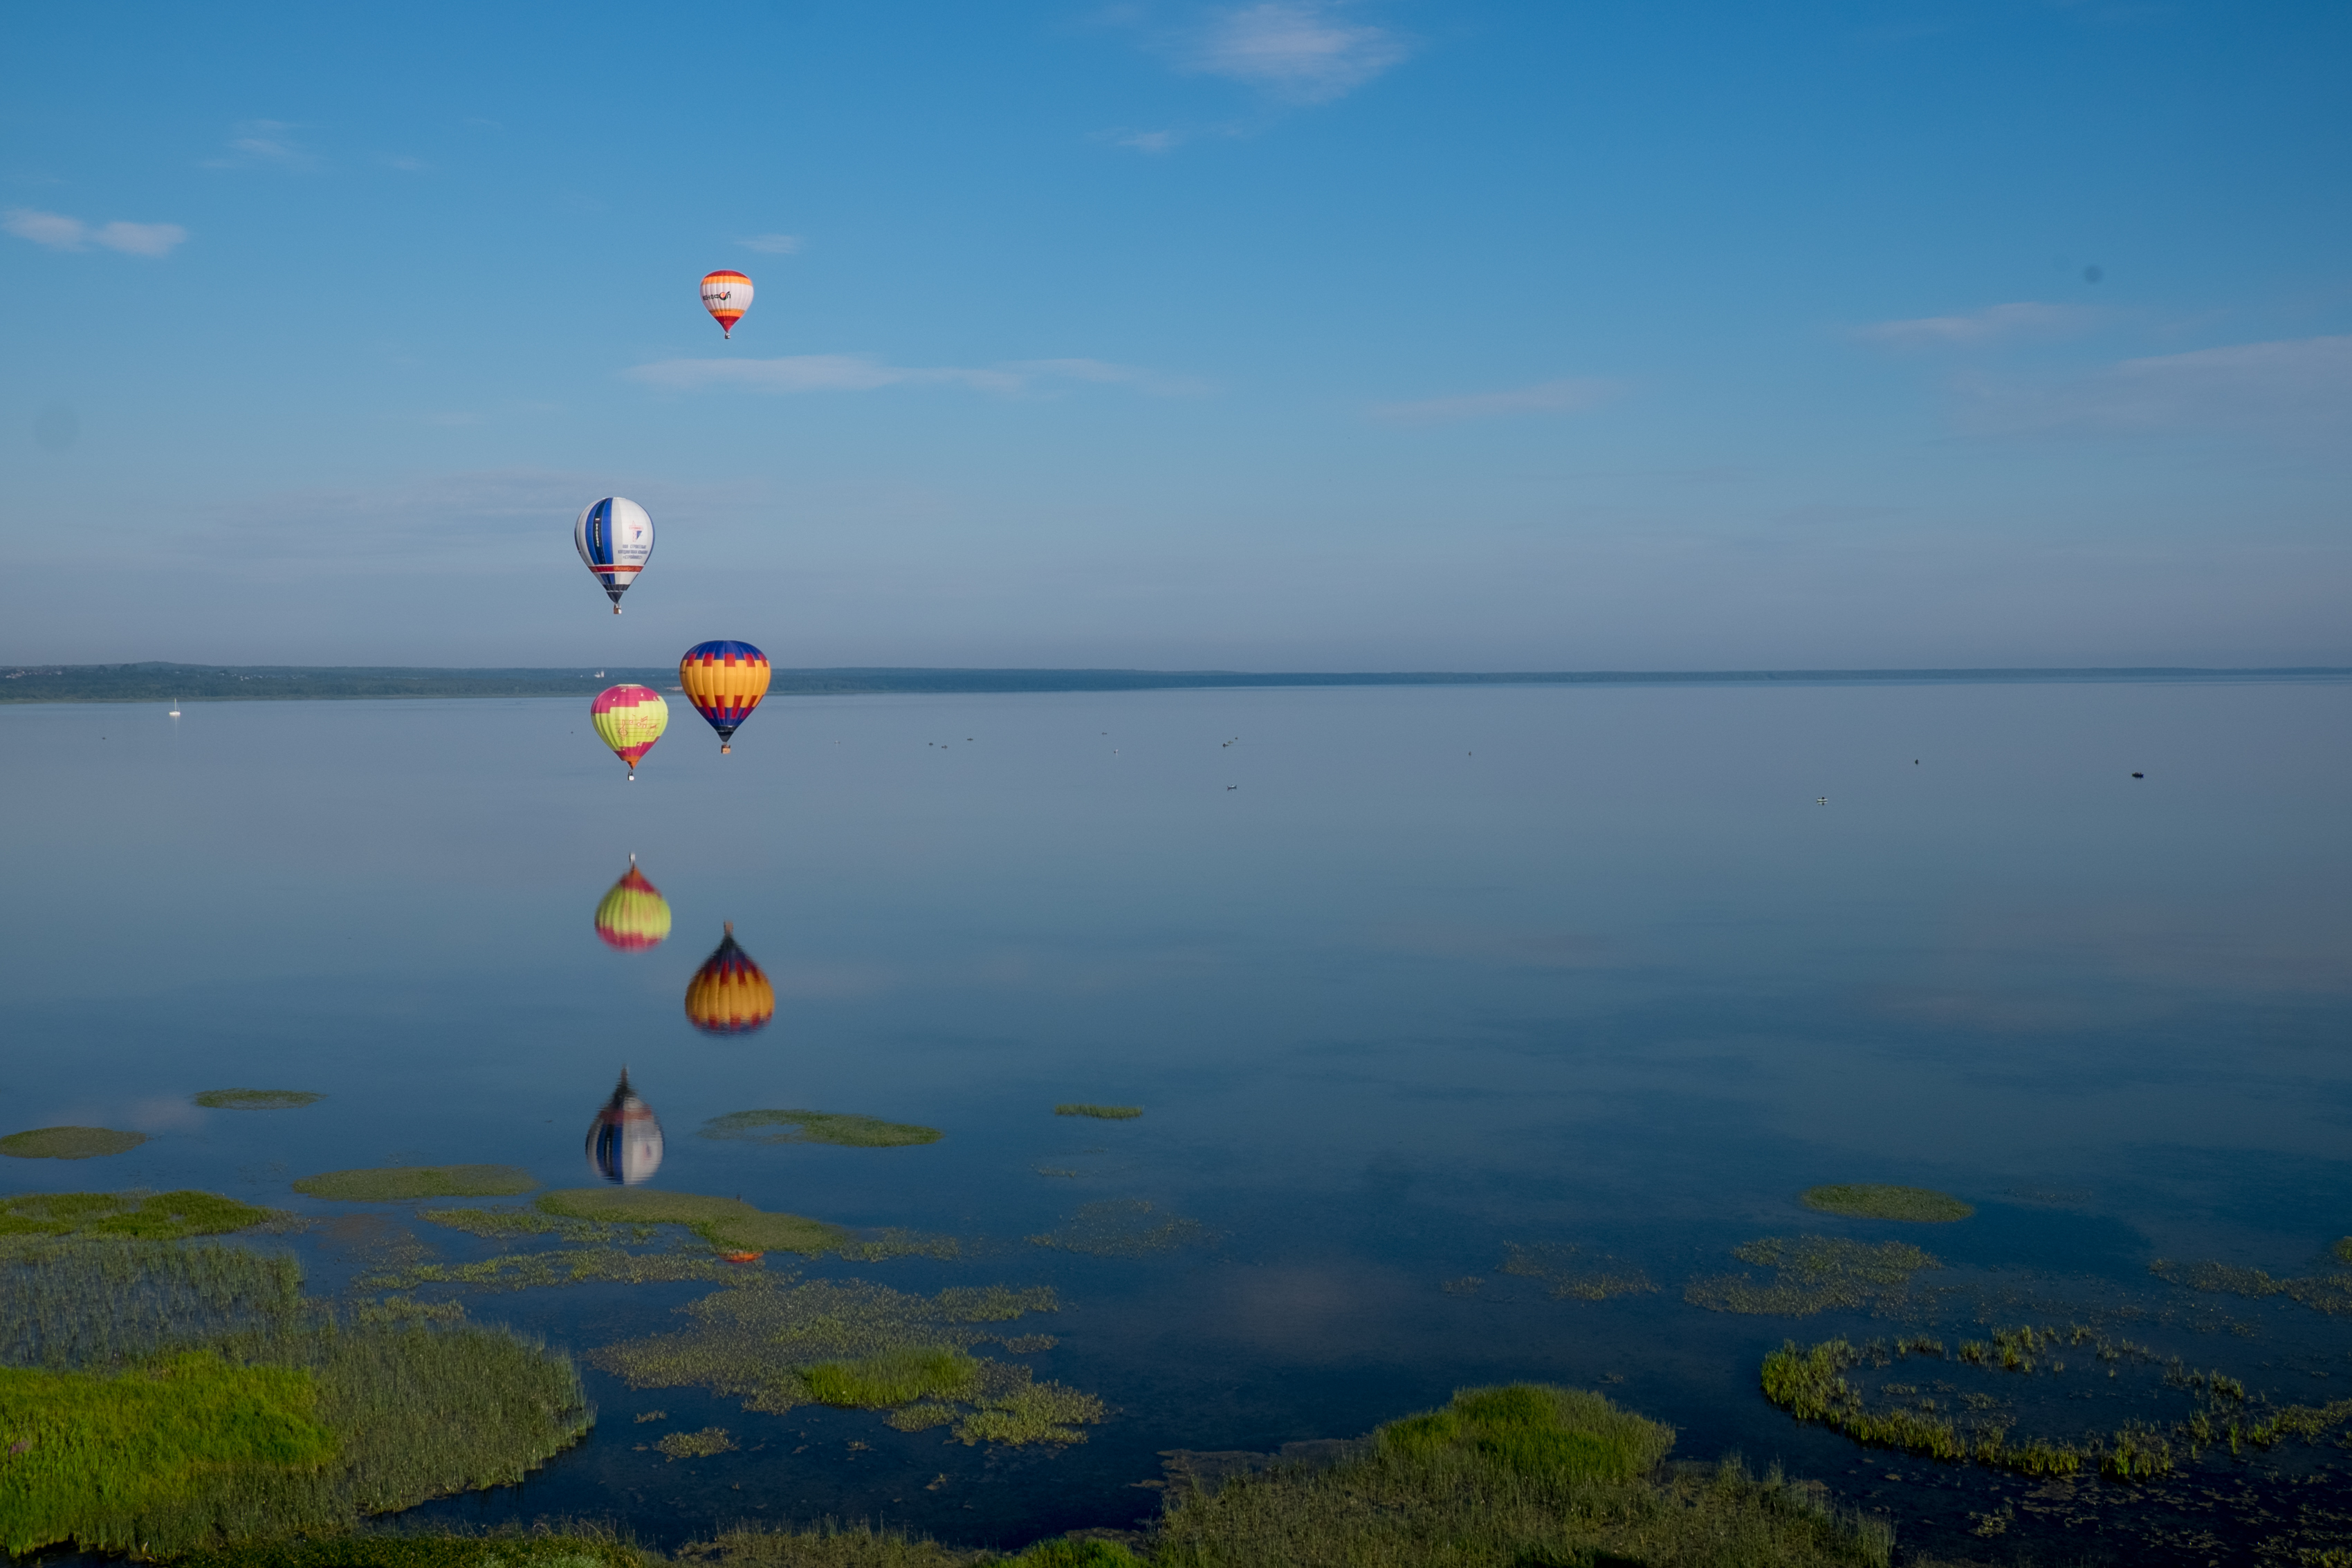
x=1288, y=335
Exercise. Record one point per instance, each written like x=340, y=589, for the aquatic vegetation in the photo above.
x=891, y=1241
x=1525, y=1474
x=1468, y=1285
x=775, y=1344
x=1812, y=1274
x=825, y=1546
x=727, y=1223
x=1100, y=1112
x=538, y=1550
x=405, y=1184
x=2330, y=1293
x=2343, y=1250
x=817, y=1127
x=1559, y=1266
x=151, y=1217
x=256, y=1099
x=69, y=1143
x=74, y=1302
x=1871, y=1200
x=506, y=1224
x=535, y=1270
x=1124, y=1227
x=697, y=1444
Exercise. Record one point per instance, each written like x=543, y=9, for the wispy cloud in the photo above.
x=2294, y=388
x=864, y=373
x=1146, y=140
x=264, y=141
x=408, y=166
x=1300, y=49
x=2023, y=320
x=61, y=233
x=772, y=245
x=1570, y=395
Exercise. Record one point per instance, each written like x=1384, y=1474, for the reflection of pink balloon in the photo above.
x=625, y=1141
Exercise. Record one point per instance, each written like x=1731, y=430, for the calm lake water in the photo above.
x=1403, y=977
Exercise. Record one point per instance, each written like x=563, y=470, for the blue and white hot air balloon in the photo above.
x=615, y=538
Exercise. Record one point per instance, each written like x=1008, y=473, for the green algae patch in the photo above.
x=727, y=1223
x=2329, y=1293
x=406, y=1184
x=1813, y=1274
x=256, y=1099
x=698, y=1445
x=1124, y=1227
x=778, y=1343
x=1571, y=1275
x=69, y=1143
x=1100, y=1112
x=91, y=1454
x=147, y=1217
x=847, y=1129
x=1522, y=1474
x=1872, y=1201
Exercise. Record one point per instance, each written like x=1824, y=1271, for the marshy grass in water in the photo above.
x=556, y=1267
x=149, y=1217
x=1871, y=1200
x=1100, y=1112
x=698, y=1445
x=1571, y=1275
x=69, y=1143
x=537, y=1550
x=256, y=1099
x=2330, y=1293
x=727, y=1223
x=75, y=1302
x=1812, y=1274
x=1124, y=1227
x=405, y=1184
x=850, y=1131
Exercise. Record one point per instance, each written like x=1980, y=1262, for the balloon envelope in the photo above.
x=633, y=916
x=724, y=681
x=615, y=538
x=624, y=1141
x=630, y=718
x=726, y=294
x=729, y=994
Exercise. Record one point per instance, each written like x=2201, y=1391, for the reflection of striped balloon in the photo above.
x=729, y=994
x=726, y=294
x=724, y=681
x=633, y=916
x=630, y=718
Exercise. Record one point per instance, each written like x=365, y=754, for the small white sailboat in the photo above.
x=176, y=707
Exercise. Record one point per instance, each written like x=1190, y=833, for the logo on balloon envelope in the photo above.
x=729, y=994
x=630, y=718
x=633, y=916
x=724, y=681
x=624, y=1141
x=615, y=538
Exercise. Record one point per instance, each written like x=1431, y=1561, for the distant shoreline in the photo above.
x=156, y=682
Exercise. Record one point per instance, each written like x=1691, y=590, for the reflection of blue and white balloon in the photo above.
x=615, y=538
x=625, y=1141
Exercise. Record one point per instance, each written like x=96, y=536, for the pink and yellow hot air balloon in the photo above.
x=729, y=994
x=633, y=916
x=630, y=718
x=726, y=294
x=724, y=681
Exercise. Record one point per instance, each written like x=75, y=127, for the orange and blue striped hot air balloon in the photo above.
x=630, y=718
x=729, y=994
x=633, y=916
x=724, y=681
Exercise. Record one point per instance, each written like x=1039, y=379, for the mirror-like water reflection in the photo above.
x=1476, y=1035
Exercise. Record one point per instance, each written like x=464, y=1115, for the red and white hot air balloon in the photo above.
x=726, y=294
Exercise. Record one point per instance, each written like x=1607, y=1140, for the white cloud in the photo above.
x=1570, y=395
x=772, y=245
x=2294, y=387
x=864, y=373
x=1147, y=141
x=1295, y=49
x=263, y=141
x=408, y=166
x=2024, y=319
x=61, y=233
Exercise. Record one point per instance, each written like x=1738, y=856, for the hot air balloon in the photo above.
x=724, y=681
x=729, y=994
x=615, y=538
x=633, y=916
x=726, y=294
x=630, y=718
x=624, y=1141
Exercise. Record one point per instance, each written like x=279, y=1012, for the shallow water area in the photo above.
x=1436, y=1002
